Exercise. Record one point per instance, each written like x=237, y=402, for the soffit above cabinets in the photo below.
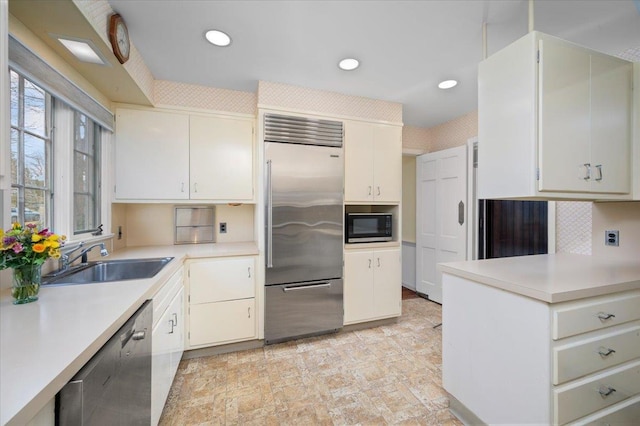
x=63, y=18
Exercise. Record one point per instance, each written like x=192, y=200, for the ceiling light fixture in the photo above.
x=349, y=64
x=83, y=50
x=218, y=38
x=447, y=84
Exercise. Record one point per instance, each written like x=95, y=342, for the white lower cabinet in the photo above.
x=222, y=307
x=511, y=359
x=372, y=284
x=167, y=341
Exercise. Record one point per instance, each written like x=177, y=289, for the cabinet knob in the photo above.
x=604, y=316
x=605, y=391
x=605, y=352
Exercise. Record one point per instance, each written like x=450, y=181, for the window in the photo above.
x=86, y=174
x=31, y=150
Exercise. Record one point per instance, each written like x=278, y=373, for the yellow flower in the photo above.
x=36, y=237
x=52, y=244
x=38, y=248
x=16, y=225
x=54, y=253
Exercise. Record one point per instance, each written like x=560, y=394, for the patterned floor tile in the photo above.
x=387, y=375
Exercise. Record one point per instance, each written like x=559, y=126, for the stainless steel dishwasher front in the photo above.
x=114, y=387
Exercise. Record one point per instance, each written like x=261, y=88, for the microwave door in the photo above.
x=304, y=212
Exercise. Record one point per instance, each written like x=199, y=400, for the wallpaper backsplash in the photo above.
x=97, y=13
x=573, y=227
x=171, y=93
x=279, y=95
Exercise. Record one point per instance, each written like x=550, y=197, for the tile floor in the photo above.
x=383, y=375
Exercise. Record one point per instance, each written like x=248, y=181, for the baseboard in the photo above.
x=462, y=413
x=223, y=349
x=369, y=324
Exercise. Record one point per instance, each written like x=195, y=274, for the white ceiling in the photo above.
x=405, y=47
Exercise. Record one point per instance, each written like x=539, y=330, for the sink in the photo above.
x=110, y=270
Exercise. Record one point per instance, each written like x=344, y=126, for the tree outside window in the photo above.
x=30, y=152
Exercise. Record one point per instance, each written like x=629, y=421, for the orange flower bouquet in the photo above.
x=25, y=250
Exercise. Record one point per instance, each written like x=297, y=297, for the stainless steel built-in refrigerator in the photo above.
x=304, y=227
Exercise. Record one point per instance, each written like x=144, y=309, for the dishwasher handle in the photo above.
x=320, y=284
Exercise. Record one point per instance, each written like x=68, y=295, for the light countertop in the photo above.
x=43, y=344
x=551, y=278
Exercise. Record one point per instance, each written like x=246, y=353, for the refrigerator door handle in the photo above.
x=269, y=217
x=306, y=287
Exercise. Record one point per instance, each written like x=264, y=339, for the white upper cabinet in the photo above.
x=373, y=162
x=221, y=163
x=151, y=155
x=167, y=155
x=554, y=122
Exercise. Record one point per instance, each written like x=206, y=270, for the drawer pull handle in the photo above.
x=605, y=352
x=603, y=316
x=605, y=391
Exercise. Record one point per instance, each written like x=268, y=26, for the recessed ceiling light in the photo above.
x=447, y=84
x=218, y=38
x=349, y=64
x=83, y=50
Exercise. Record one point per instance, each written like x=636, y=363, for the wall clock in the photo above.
x=119, y=38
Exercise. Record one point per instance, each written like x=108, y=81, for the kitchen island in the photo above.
x=547, y=339
x=45, y=343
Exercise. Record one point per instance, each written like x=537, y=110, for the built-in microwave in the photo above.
x=368, y=227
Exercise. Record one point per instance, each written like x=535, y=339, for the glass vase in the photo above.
x=26, y=284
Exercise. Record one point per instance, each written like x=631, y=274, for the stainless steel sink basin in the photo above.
x=111, y=270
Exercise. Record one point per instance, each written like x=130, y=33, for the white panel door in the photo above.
x=441, y=216
x=151, y=155
x=222, y=322
x=221, y=161
x=358, y=286
x=222, y=279
x=564, y=122
x=358, y=161
x=387, y=163
x=387, y=286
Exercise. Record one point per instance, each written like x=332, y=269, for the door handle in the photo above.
x=195, y=187
x=175, y=319
x=182, y=187
x=269, y=214
x=249, y=271
x=171, y=324
x=587, y=171
x=461, y=213
x=378, y=262
x=599, y=170
x=369, y=263
x=370, y=189
x=305, y=287
x=378, y=190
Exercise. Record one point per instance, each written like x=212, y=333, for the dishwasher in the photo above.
x=114, y=387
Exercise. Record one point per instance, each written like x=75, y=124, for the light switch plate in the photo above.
x=612, y=238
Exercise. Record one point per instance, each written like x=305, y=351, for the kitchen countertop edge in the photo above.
x=551, y=278
x=145, y=290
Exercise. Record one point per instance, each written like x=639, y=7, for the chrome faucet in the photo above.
x=66, y=260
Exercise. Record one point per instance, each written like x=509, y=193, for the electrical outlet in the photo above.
x=223, y=227
x=612, y=238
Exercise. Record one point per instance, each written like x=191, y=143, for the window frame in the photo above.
x=49, y=150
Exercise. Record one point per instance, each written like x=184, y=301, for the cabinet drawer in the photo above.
x=588, y=356
x=624, y=413
x=222, y=322
x=580, y=317
x=164, y=296
x=222, y=279
x=584, y=397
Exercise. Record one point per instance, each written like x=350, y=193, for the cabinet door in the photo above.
x=151, y=155
x=387, y=282
x=176, y=344
x=221, y=279
x=564, y=121
x=167, y=346
x=222, y=322
x=358, y=286
x=358, y=153
x=611, y=81
x=387, y=163
x=221, y=163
